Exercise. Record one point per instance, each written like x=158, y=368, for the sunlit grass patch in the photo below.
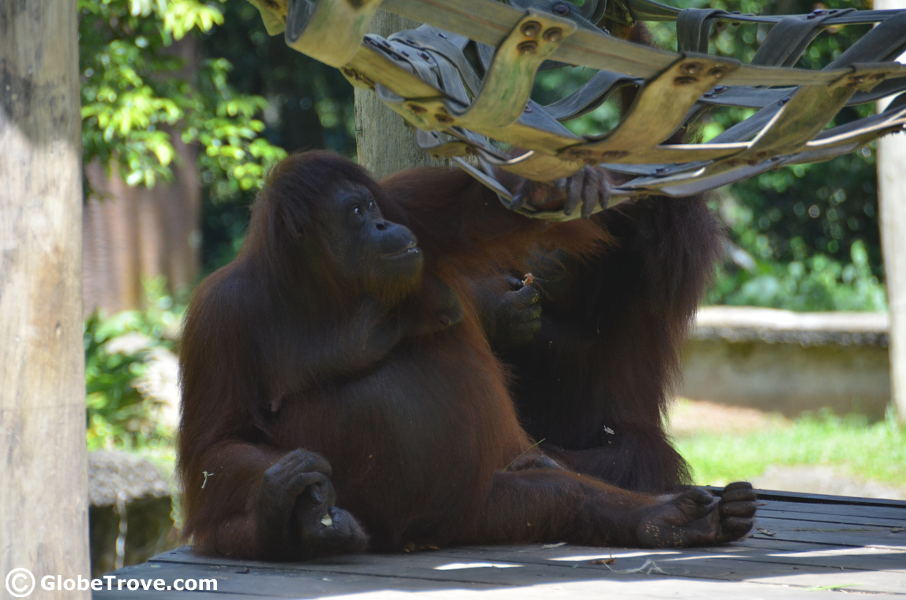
x=852, y=444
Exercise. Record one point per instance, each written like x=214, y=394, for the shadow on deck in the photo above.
x=803, y=546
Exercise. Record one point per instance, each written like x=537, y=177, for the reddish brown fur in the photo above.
x=597, y=377
x=419, y=439
x=595, y=382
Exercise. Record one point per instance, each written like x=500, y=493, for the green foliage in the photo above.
x=800, y=225
x=853, y=444
x=811, y=230
x=551, y=85
x=117, y=353
x=310, y=105
x=139, y=92
x=816, y=282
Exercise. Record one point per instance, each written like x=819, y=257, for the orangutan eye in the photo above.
x=357, y=210
x=371, y=205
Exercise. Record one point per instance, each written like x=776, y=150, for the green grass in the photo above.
x=871, y=451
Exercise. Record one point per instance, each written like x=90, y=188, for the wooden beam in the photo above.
x=43, y=494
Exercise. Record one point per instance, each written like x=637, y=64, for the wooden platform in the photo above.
x=804, y=546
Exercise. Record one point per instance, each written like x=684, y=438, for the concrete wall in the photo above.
x=789, y=362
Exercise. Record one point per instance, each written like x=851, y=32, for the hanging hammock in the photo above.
x=464, y=80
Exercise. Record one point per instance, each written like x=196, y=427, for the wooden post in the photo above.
x=384, y=143
x=892, y=209
x=43, y=466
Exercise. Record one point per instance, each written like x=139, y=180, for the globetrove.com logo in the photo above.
x=21, y=583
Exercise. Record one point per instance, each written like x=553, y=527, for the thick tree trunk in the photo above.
x=384, y=142
x=134, y=234
x=43, y=495
x=892, y=201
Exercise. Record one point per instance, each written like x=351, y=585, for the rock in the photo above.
x=129, y=510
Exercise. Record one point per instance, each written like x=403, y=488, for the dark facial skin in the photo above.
x=379, y=264
x=379, y=250
x=384, y=261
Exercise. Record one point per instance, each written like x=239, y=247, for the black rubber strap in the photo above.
x=693, y=28
x=789, y=38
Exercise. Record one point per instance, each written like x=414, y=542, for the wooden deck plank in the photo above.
x=795, y=553
x=508, y=566
x=823, y=499
x=293, y=583
x=842, y=534
x=288, y=583
x=149, y=595
x=799, y=550
x=726, y=567
x=804, y=557
x=836, y=510
x=805, y=553
x=848, y=519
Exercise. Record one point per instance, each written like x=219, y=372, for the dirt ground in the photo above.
x=688, y=417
